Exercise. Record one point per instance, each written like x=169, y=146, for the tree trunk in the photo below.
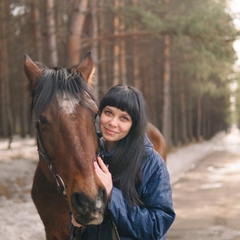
x=183, y=112
x=199, y=117
x=102, y=52
x=167, y=131
x=2, y=97
x=122, y=60
x=76, y=29
x=36, y=28
x=51, y=33
x=136, y=64
x=175, y=124
x=167, y=124
x=95, y=46
x=7, y=111
x=190, y=123
x=116, y=54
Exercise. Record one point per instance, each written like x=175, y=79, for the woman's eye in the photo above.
x=125, y=118
x=108, y=113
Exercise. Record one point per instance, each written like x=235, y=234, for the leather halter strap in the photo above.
x=59, y=181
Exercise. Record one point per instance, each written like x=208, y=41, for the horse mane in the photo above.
x=63, y=81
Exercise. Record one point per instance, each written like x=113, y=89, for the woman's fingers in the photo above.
x=102, y=165
x=105, y=176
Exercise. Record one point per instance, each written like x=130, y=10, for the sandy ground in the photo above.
x=206, y=198
x=19, y=219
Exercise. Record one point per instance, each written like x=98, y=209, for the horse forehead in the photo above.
x=68, y=103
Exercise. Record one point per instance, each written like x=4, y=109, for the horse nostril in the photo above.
x=80, y=202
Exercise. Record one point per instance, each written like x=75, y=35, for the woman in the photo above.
x=134, y=175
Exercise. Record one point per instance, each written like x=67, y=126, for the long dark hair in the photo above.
x=125, y=165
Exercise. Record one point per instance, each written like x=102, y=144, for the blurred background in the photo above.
x=182, y=55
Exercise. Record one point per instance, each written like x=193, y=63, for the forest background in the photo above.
x=178, y=53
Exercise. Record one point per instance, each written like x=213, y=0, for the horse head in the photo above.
x=64, y=110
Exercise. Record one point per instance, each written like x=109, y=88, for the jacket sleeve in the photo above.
x=154, y=219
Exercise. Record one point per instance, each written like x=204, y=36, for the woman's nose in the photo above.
x=113, y=122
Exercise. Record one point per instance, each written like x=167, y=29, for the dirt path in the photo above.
x=207, y=200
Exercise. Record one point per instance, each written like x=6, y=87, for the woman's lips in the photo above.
x=109, y=131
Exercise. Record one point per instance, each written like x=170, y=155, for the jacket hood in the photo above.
x=148, y=146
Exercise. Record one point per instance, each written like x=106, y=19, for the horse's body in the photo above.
x=64, y=110
x=158, y=140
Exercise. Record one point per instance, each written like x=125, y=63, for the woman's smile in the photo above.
x=110, y=131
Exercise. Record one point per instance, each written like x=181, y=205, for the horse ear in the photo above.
x=32, y=71
x=86, y=69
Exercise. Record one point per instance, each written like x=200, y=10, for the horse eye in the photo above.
x=42, y=120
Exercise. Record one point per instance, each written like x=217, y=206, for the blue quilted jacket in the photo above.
x=150, y=222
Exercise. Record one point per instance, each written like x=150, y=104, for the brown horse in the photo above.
x=158, y=140
x=64, y=109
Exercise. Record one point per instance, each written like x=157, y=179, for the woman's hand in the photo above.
x=104, y=175
x=75, y=224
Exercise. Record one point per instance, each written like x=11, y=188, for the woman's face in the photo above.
x=114, y=124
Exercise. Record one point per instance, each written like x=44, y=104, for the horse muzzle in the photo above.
x=89, y=210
